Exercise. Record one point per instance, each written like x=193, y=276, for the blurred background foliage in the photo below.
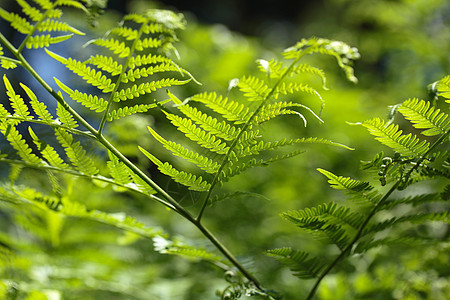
x=404, y=46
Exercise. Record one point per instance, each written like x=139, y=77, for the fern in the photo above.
x=355, y=230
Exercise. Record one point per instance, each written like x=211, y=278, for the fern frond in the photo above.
x=273, y=68
x=134, y=74
x=414, y=218
x=230, y=110
x=54, y=25
x=423, y=116
x=166, y=246
x=87, y=100
x=194, y=133
x=146, y=88
x=93, y=77
x=321, y=219
x=142, y=60
x=306, y=68
x=298, y=262
x=65, y=117
x=220, y=129
x=20, y=145
x=412, y=200
x=200, y=161
x=116, y=46
x=105, y=63
x=328, y=211
x=17, y=22
x=41, y=41
x=343, y=53
x=148, y=42
x=293, y=87
x=273, y=110
x=265, y=146
x=33, y=13
x=443, y=88
x=391, y=136
x=254, y=89
x=125, y=32
x=191, y=181
x=39, y=108
x=17, y=103
x=48, y=152
x=131, y=110
x=71, y=3
x=76, y=153
x=118, y=170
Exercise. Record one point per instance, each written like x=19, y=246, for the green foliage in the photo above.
x=76, y=220
x=356, y=230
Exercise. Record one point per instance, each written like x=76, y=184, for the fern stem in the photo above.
x=119, y=80
x=374, y=210
x=243, y=129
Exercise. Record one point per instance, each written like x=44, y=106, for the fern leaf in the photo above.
x=265, y=146
x=273, y=68
x=230, y=110
x=76, y=153
x=270, y=111
x=16, y=21
x=131, y=110
x=220, y=129
x=39, y=108
x=253, y=88
x=412, y=200
x=92, y=102
x=134, y=74
x=293, y=87
x=118, y=170
x=146, y=88
x=415, y=218
x=343, y=53
x=425, y=117
x=17, y=103
x=203, y=138
x=298, y=262
x=65, y=117
x=306, y=68
x=48, y=152
x=114, y=45
x=147, y=43
x=166, y=246
x=328, y=211
x=358, y=189
x=71, y=3
x=391, y=136
x=202, y=162
x=443, y=88
x=41, y=41
x=20, y=145
x=126, y=32
x=54, y=25
x=191, y=181
x=106, y=63
x=45, y=4
x=33, y=13
x=93, y=77
x=143, y=60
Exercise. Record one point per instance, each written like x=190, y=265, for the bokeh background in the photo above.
x=404, y=47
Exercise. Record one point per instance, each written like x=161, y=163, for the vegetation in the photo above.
x=159, y=149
